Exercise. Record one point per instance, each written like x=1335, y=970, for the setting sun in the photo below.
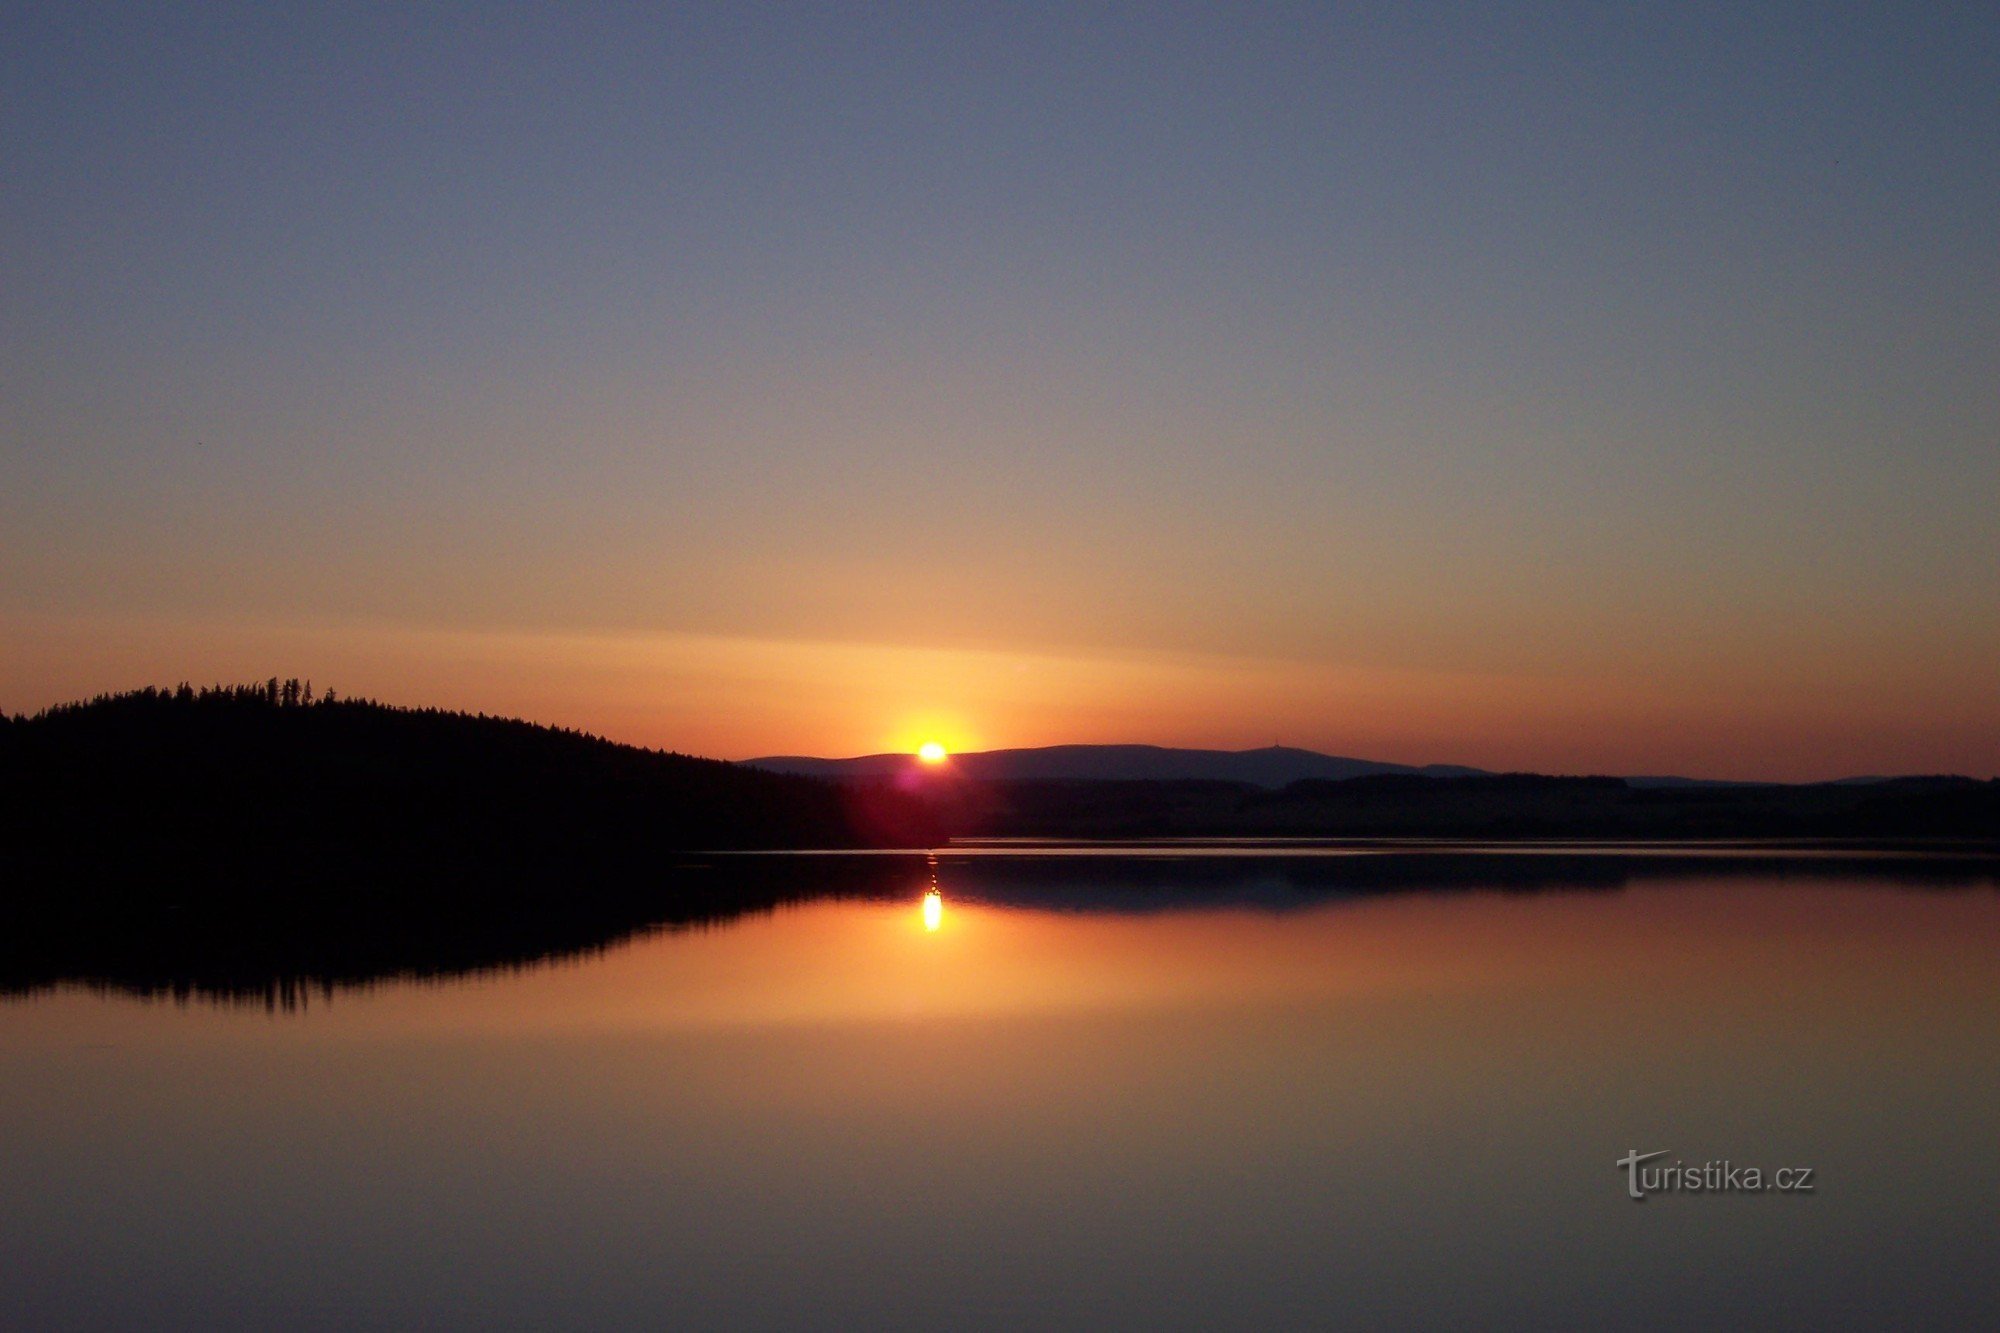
x=931, y=752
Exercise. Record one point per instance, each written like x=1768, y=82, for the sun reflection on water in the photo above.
x=933, y=898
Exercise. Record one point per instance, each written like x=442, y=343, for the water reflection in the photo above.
x=286, y=956
x=933, y=898
x=1177, y=1093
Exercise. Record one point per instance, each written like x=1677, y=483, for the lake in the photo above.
x=1082, y=1086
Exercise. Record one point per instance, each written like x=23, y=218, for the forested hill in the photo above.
x=270, y=781
x=172, y=795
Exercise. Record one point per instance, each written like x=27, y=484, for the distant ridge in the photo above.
x=1649, y=780
x=1273, y=766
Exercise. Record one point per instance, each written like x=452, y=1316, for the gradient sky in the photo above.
x=1572, y=387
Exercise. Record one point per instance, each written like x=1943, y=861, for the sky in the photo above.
x=1569, y=387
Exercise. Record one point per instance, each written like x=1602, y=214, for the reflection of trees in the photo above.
x=234, y=948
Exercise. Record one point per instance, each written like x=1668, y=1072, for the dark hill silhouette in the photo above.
x=263, y=784
x=1272, y=766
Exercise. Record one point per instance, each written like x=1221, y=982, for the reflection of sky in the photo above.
x=1406, y=1109
x=1567, y=388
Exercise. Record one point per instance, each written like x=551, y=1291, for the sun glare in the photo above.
x=933, y=910
x=931, y=752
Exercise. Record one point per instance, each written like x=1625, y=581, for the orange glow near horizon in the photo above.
x=739, y=697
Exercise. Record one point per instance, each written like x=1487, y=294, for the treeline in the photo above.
x=273, y=693
x=242, y=788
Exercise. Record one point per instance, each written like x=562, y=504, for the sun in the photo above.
x=932, y=752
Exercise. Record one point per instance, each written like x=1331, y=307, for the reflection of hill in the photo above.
x=282, y=953
x=280, y=950
x=282, y=961
x=1196, y=879
x=1493, y=806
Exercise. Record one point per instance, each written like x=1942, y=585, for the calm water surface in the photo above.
x=1142, y=1091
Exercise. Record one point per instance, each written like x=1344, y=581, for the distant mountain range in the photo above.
x=1273, y=766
